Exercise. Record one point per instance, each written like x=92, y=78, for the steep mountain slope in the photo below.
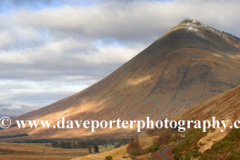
x=189, y=64
x=214, y=144
x=222, y=106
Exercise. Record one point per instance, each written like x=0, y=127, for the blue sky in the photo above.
x=51, y=49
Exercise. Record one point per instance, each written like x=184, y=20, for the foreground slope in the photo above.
x=222, y=106
x=189, y=64
x=215, y=144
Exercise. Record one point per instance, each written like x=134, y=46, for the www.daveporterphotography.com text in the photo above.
x=140, y=125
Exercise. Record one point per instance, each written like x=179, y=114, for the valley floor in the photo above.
x=30, y=151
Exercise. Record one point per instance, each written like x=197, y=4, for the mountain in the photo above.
x=215, y=144
x=10, y=110
x=3, y=115
x=222, y=106
x=189, y=64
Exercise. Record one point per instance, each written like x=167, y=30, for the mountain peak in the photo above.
x=194, y=26
x=191, y=20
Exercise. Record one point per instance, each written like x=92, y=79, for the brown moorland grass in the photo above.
x=32, y=157
x=30, y=151
x=121, y=152
x=222, y=106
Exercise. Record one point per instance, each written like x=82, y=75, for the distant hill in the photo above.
x=2, y=115
x=9, y=111
x=188, y=65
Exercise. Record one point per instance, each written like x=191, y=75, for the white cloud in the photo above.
x=14, y=58
x=129, y=20
x=6, y=39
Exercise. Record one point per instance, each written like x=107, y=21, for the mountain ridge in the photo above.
x=194, y=24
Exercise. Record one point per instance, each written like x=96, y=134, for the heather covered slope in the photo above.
x=214, y=144
x=222, y=106
x=186, y=66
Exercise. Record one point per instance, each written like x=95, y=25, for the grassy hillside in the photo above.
x=226, y=148
x=23, y=151
x=224, y=106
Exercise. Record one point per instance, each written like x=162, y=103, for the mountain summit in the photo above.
x=189, y=64
x=193, y=25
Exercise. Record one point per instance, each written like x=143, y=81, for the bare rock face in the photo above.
x=189, y=64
